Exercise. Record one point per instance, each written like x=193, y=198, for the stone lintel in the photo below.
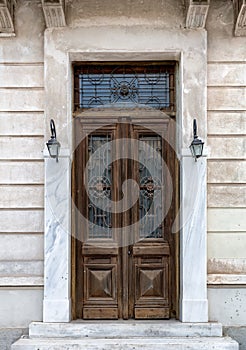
x=54, y=13
x=197, y=11
x=240, y=17
x=7, y=16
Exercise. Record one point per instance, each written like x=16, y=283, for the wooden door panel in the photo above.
x=100, y=283
x=121, y=276
x=151, y=274
x=100, y=287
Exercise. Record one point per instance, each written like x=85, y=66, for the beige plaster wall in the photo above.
x=164, y=13
x=21, y=168
x=226, y=167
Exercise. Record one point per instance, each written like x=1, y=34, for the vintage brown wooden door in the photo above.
x=125, y=251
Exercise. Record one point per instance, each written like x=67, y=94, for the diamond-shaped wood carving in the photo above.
x=100, y=284
x=151, y=283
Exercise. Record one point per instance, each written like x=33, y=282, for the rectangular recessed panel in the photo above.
x=107, y=313
x=100, y=284
x=152, y=313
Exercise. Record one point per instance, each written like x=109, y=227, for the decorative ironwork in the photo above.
x=99, y=187
x=124, y=85
x=100, y=179
x=128, y=86
x=150, y=187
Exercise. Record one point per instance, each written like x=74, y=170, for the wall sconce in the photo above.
x=53, y=145
x=196, y=146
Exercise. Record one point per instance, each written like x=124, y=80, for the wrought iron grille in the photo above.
x=150, y=187
x=100, y=187
x=125, y=85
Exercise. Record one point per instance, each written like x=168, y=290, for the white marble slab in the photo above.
x=57, y=276
x=128, y=344
x=121, y=329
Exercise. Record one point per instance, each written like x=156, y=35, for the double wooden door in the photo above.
x=125, y=252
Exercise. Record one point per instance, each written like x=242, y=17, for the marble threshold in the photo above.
x=125, y=335
x=121, y=329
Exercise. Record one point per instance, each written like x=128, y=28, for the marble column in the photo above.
x=193, y=246
x=57, y=260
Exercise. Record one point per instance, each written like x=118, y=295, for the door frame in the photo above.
x=140, y=118
x=189, y=50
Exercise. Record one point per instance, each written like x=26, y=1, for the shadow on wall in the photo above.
x=9, y=335
x=238, y=333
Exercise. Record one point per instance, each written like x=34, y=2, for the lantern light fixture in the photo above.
x=196, y=146
x=53, y=145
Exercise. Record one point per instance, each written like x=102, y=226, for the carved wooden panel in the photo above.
x=100, y=287
x=100, y=283
x=152, y=286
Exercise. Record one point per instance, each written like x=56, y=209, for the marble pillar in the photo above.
x=193, y=246
x=57, y=259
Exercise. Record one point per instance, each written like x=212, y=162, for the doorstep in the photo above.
x=121, y=329
x=179, y=343
x=125, y=335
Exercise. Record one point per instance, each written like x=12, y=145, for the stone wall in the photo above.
x=21, y=168
x=226, y=167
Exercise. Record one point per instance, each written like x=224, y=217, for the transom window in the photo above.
x=125, y=85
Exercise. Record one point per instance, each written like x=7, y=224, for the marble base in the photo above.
x=128, y=344
x=194, y=310
x=57, y=310
x=124, y=329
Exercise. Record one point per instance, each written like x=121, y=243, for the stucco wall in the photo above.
x=226, y=167
x=21, y=168
x=21, y=144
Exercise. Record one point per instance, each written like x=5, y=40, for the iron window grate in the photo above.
x=125, y=85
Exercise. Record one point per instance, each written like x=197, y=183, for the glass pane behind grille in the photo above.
x=150, y=181
x=125, y=86
x=99, y=186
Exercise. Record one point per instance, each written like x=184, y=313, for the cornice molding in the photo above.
x=7, y=16
x=54, y=13
x=240, y=17
x=197, y=11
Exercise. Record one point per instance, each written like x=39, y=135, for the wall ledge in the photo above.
x=226, y=279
